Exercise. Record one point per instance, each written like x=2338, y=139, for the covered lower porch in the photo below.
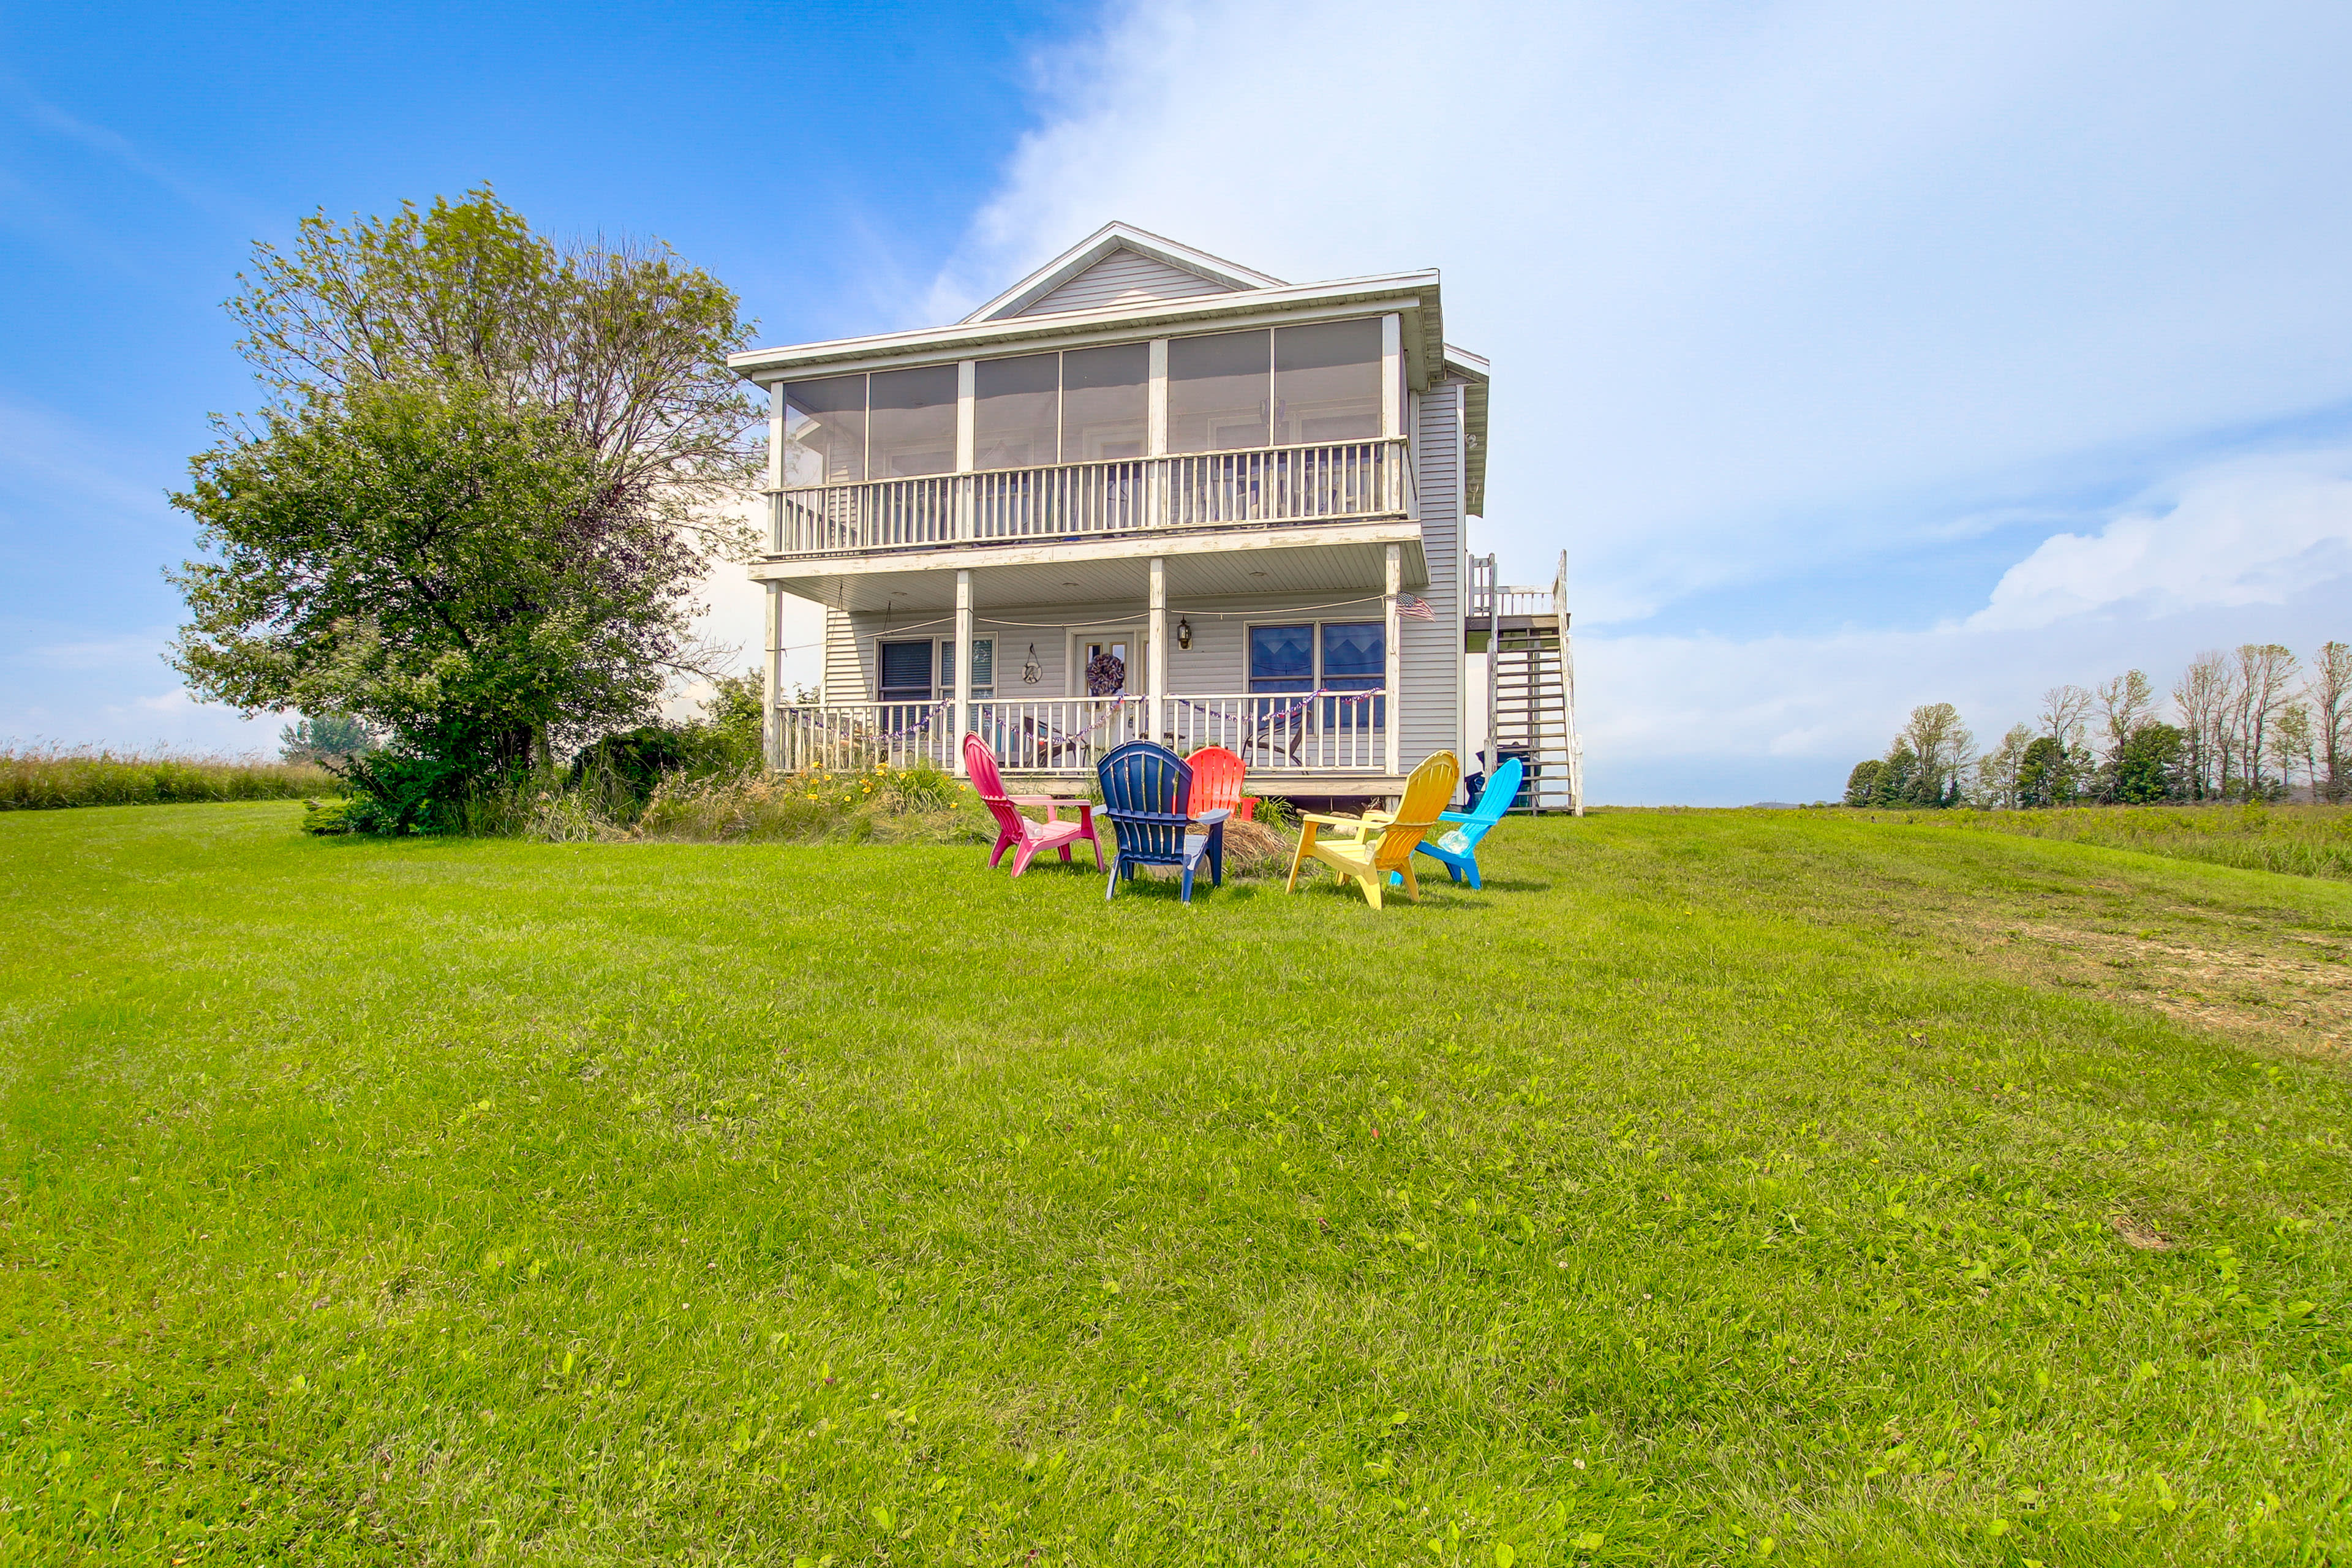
x=1316, y=745
x=1289, y=656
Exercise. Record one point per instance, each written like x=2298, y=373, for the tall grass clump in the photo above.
x=887, y=804
x=2298, y=840
x=45, y=778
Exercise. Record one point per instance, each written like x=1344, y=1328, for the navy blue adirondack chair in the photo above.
x=1148, y=796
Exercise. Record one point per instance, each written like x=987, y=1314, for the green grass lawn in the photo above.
x=2302, y=840
x=1693, y=1195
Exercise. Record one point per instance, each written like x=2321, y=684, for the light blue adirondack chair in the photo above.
x=1469, y=826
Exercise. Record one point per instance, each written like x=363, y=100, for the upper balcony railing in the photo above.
x=1275, y=484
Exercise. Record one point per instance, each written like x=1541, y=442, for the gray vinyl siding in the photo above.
x=1123, y=278
x=845, y=679
x=1431, y=650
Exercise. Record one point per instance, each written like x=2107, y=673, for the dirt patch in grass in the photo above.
x=2251, y=982
x=2140, y=1233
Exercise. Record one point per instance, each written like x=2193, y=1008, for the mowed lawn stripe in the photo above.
x=425, y=1201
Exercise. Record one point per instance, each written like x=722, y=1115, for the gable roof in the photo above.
x=1119, y=264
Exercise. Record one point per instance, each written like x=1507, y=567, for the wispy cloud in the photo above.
x=42, y=115
x=41, y=451
x=130, y=652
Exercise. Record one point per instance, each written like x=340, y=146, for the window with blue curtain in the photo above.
x=1281, y=658
x=1355, y=658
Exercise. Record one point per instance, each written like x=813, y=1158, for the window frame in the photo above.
x=943, y=664
x=883, y=640
x=1329, y=706
x=1315, y=625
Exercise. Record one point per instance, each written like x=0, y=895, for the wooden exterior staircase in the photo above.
x=1530, y=684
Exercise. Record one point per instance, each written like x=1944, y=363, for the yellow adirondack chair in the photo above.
x=1379, y=843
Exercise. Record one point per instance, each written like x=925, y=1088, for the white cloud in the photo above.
x=1778, y=290
x=2256, y=531
x=1741, y=264
x=2252, y=551
x=105, y=714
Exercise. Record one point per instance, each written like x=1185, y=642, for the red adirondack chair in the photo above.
x=1217, y=783
x=1024, y=836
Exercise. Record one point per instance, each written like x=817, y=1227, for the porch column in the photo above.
x=774, y=497
x=1155, y=436
x=1393, y=678
x=1155, y=661
x=772, y=731
x=962, y=672
x=967, y=443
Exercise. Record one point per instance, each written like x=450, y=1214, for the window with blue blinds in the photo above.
x=907, y=672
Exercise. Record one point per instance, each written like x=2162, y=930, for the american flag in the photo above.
x=1417, y=608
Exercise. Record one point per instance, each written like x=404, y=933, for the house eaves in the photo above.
x=1472, y=372
x=1413, y=295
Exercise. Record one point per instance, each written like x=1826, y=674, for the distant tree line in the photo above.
x=2245, y=726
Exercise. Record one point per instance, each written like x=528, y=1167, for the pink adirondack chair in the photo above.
x=1024, y=836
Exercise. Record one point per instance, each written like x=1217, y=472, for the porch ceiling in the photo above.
x=1354, y=566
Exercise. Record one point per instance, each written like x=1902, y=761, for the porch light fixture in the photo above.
x=1184, y=632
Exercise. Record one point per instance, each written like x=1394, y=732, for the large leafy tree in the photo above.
x=449, y=571
x=490, y=474
x=623, y=344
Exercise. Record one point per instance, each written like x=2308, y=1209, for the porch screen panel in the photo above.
x=1327, y=382
x=912, y=425
x=1106, y=398
x=1219, y=390
x=1016, y=412
x=825, y=431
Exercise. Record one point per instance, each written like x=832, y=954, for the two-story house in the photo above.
x=1147, y=492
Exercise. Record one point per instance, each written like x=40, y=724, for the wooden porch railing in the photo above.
x=1291, y=733
x=1075, y=500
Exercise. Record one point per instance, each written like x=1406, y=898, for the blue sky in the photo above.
x=1858, y=356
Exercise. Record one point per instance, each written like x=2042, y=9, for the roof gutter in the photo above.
x=1414, y=291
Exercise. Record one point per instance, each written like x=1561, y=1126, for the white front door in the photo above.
x=1098, y=654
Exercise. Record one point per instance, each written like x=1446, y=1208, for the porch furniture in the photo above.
x=1148, y=795
x=1025, y=836
x=1217, y=776
x=1280, y=731
x=1379, y=843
